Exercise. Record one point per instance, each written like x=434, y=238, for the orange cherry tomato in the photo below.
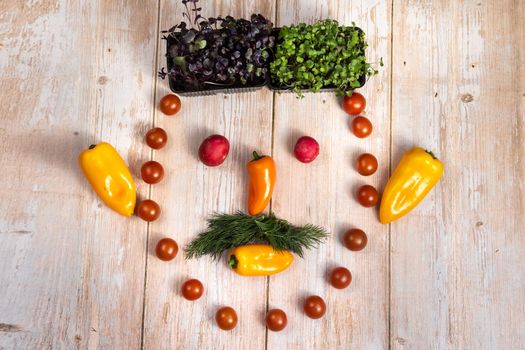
x=226, y=318
x=166, y=249
x=354, y=104
x=340, y=278
x=148, y=210
x=156, y=138
x=367, y=196
x=361, y=127
x=366, y=164
x=276, y=320
x=355, y=239
x=192, y=289
x=152, y=172
x=314, y=307
x=170, y=104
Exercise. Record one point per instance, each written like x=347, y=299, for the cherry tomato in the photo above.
x=152, y=172
x=367, y=196
x=361, y=127
x=170, y=104
x=354, y=104
x=355, y=239
x=148, y=210
x=340, y=278
x=226, y=318
x=366, y=164
x=314, y=307
x=156, y=138
x=192, y=289
x=166, y=249
x=276, y=320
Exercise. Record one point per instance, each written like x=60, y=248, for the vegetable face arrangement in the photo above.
x=228, y=51
x=259, y=244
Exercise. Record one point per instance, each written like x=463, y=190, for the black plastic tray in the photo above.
x=236, y=88
x=280, y=88
x=212, y=89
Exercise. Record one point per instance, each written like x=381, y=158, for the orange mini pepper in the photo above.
x=262, y=180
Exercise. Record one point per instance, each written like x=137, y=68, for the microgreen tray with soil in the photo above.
x=218, y=53
x=322, y=56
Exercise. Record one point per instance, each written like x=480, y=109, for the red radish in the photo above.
x=306, y=149
x=214, y=150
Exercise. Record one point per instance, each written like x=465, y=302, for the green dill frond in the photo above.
x=227, y=231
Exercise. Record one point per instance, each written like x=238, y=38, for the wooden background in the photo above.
x=73, y=274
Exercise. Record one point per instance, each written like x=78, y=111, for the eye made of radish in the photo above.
x=306, y=149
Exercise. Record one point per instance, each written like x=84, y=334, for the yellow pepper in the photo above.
x=110, y=177
x=259, y=260
x=416, y=174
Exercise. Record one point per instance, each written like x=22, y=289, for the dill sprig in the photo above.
x=226, y=231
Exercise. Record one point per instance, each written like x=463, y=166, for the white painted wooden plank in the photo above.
x=322, y=193
x=71, y=270
x=190, y=193
x=458, y=88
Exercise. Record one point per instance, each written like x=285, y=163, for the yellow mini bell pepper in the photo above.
x=109, y=176
x=259, y=260
x=416, y=174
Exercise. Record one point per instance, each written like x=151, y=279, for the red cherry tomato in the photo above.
x=226, y=318
x=366, y=164
x=367, y=196
x=314, y=307
x=276, y=320
x=156, y=138
x=361, y=127
x=152, y=172
x=354, y=104
x=355, y=239
x=148, y=210
x=170, y=104
x=166, y=249
x=192, y=289
x=340, y=278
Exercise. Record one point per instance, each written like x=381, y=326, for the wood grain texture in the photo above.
x=190, y=193
x=458, y=88
x=449, y=275
x=71, y=270
x=322, y=193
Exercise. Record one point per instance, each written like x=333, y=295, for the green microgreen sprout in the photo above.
x=321, y=55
